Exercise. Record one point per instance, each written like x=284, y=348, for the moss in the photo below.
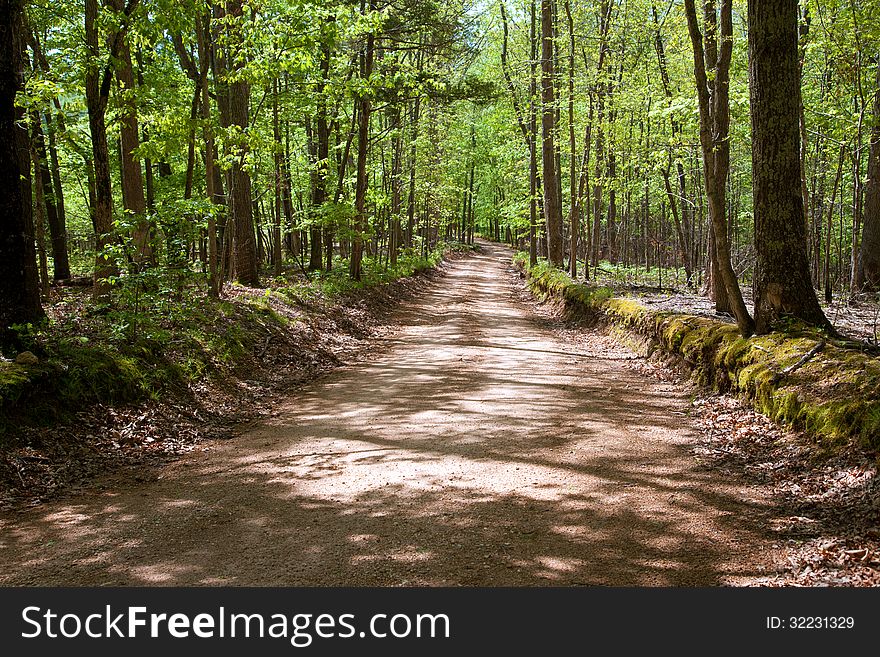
x=129, y=356
x=15, y=380
x=835, y=396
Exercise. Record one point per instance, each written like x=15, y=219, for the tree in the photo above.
x=713, y=95
x=782, y=278
x=19, y=285
x=868, y=275
x=363, y=110
x=97, y=96
x=233, y=100
x=132, y=177
x=552, y=202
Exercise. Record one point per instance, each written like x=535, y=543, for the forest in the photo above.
x=524, y=246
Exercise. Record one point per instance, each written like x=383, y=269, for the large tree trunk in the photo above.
x=552, y=205
x=133, y=199
x=782, y=277
x=233, y=100
x=19, y=284
x=713, y=95
x=869, y=256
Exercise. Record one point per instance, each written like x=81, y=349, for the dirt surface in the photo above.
x=478, y=446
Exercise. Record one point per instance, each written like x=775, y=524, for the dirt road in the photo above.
x=476, y=448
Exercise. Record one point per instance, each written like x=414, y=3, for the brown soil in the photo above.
x=478, y=446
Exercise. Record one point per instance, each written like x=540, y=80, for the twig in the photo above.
x=803, y=361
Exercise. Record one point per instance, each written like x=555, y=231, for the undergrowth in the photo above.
x=162, y=335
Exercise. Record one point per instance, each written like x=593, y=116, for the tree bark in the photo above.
x=233, y=100
x=97, y=95
x=133, y=199
x=868, y=277
x=574, y=205
x=19, y=284
x=57, y=230
x=713, y=96
x=364, y=106
x=552, y=205
x=533, y=137
x=782, y=278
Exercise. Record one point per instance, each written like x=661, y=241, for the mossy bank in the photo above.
x=799, y=377
x=172, y=339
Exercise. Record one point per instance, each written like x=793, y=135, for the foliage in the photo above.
x=126, y=353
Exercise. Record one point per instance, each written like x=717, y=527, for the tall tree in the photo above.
x=573, y=205
x=363, y=109
x=97, y=95
x=50, y=172
x=552, y=202
x=714, y=94
x=868, y=275
x=19, y=284
x=233, y=100
x=133, y=199
x=782, y=277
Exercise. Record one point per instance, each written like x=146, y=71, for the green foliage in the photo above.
x=148, y=342
x=328, y=286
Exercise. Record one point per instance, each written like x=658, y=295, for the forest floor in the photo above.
x=482, y=441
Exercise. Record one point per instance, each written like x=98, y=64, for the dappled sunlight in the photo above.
x=476, y=450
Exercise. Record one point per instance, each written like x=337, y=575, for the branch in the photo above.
x=186, y=61
x=803, y=361
x=116, y=46
x=505, y=67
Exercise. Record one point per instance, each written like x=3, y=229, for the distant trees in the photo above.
x=230, y=139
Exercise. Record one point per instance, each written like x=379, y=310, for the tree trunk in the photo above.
x=57, y=229
x=552, y=205
x=279, y=174
x=782, y=277
x=50, y=171
x=133, y=199
x=213, y=180
x=713, y=95
x=364, y=106
x=533, y=137
x=19, y=284
x=573, y=206
x=869, y=256
x=233, y=99
x=394, y=237
x=97, y=94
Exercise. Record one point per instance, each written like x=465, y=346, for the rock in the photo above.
x=26, y=358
